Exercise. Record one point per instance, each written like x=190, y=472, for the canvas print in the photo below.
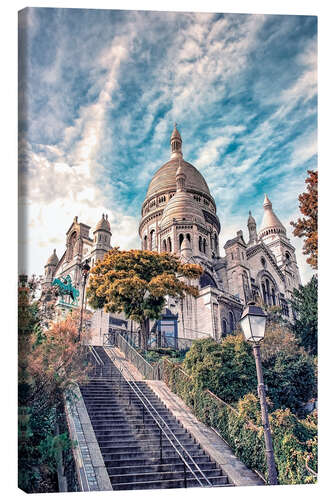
x=167, y=289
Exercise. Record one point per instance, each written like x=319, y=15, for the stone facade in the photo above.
x=179, y=215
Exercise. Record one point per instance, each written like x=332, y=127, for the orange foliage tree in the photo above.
x=58, y=361
x=50, y=361
x=137, y=281
x=307, y=227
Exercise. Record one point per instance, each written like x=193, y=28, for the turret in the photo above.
x=102, y=233
x=271, y=225
x=176, y=143
x=252, y=228
x=49, y=268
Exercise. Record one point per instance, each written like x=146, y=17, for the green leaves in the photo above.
x=305, y=305
x=227, y=369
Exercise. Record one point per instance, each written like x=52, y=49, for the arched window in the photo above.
x=268, y=292
x=246, y=286
x=181, y=238
x=169, y=244
x=273, y=297
x=264, y=294
x=204, y=245
x=231, y=322
x=188, y=236
x=164, y=246
x=224, y=327
x=145, y=242
x=152, y=240
x=263, y=262
x=200, y=244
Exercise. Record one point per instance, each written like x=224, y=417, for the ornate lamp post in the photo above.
x=85, y=268
x=253, y=323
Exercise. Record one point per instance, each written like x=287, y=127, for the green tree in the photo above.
x=227, y=369
x=137, y=281
x=290, y=379
x=305, y=305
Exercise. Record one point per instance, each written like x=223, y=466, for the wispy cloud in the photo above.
x=104, y=88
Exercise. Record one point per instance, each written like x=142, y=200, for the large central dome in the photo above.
x=165, y=178
x=195, y=204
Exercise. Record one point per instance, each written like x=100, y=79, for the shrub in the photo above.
x=227, y=369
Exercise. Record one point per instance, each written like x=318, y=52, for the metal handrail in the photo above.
x=164, y=423
x=97, y=359
x=140, y=362
x=96, y=355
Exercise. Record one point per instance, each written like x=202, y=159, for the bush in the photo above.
x=227, y=369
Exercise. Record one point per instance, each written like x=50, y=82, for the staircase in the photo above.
x=142, y=444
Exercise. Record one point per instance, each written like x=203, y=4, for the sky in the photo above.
x=100, y=90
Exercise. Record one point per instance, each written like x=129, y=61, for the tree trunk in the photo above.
x=144, y=333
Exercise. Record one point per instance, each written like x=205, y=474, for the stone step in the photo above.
x=142, y=440
x=138, y=425
x=119, y=455
x=138, y=469
x=107, y=447
x=150, y=460
x=167, y=475
x=127, y=435
x=168, y=484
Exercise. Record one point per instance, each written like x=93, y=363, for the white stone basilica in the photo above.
x=179, y=215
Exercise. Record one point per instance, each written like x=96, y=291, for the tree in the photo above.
x=291, y=380
x=307, y=227
x=227, y=369
x=136, y=282
x=305, y=305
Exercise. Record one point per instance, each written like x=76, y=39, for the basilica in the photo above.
x=179, y=215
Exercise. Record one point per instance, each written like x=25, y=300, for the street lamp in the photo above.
x=253, y=322
x=85, y=268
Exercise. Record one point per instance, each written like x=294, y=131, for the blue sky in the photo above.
x=103, y=89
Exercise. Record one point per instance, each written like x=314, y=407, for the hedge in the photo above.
x=295, y=441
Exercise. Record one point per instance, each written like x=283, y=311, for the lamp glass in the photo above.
x=258, y=324
x=253, y=327
x=246, y=327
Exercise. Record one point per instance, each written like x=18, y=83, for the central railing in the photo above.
x=164, y=429
x=148, y=371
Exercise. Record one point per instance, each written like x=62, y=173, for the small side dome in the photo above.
x=270, y=222
x=103, y=224
x=182, y=207
x=53, y=259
